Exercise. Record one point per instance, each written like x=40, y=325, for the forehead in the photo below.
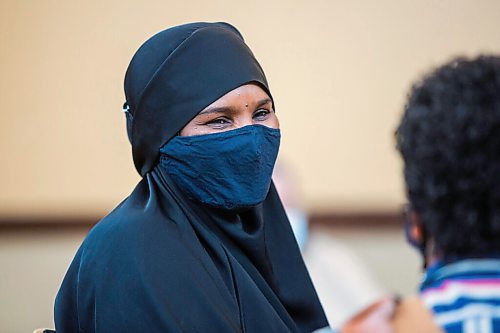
x=246, y=93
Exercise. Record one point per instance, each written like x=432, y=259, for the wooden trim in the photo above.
x=41, y=223
x=327, y=219
x=357, y=219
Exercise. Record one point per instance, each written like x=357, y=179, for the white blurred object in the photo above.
x=300, y=226
x=344, y=285
x=289, y=195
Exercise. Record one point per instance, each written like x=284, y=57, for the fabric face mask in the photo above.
x=227, y=170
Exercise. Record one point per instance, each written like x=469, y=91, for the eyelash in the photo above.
x=262, y=113
x=217, y=121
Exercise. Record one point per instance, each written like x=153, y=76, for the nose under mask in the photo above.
x=229, y=170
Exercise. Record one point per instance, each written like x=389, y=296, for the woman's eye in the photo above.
x=218, y=122
x=261, y=114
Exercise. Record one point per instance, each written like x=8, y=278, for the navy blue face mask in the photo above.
x=229, y=170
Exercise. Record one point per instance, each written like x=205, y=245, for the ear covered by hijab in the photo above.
x=176, y=74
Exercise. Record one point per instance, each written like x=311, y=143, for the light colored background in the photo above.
x=339, y=71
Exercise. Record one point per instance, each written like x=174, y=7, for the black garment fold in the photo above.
x=161, y=263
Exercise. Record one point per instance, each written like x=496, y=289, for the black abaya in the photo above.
x=161, y=262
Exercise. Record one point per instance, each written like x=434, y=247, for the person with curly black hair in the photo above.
x=449, y=139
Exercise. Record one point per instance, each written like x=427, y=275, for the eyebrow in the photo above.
x=230, y=109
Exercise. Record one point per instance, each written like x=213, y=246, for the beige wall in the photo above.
x=339, y=71
x=32, y=266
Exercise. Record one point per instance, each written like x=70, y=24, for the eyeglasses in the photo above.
x=406, y=211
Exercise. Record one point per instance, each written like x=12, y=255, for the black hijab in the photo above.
x=160, y=262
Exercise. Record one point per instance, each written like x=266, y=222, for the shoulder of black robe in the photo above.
x=160, y=262
x=141, y=269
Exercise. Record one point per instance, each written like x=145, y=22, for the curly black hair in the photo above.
x=449, y=139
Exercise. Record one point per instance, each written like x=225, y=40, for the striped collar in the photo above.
x=460, y=269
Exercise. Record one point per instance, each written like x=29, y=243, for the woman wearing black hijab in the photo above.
x=203, y=243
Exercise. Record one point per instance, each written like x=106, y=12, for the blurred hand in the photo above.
x=375, y=319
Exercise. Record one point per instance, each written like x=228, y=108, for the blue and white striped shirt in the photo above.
x=464, y=295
